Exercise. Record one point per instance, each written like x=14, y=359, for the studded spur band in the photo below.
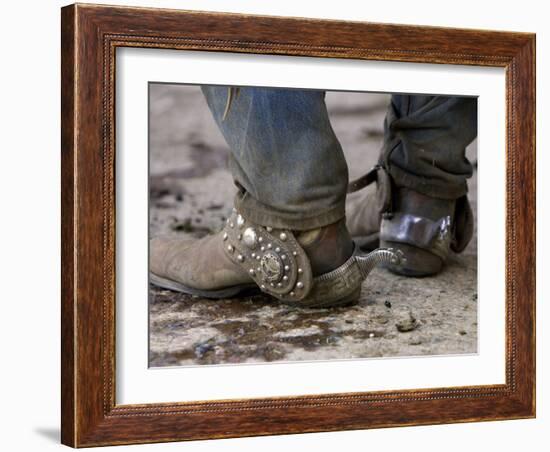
x=278, y=264
x=431, y=235
x=272, y=257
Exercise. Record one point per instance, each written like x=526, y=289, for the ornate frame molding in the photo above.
x=90, y=36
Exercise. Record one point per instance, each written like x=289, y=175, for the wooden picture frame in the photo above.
x=90, y=36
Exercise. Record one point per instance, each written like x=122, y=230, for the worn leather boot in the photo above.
x=424, y=228
x=317, y=268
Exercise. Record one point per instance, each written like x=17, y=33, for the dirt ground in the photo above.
x=191, y=194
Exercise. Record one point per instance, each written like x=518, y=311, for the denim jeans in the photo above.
x=288, y=164
x=425, y=139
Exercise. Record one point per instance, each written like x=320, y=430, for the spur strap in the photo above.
x=364, y=180
x=273, y=258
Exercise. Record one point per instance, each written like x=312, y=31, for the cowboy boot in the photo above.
x=424, y=228
x=316, y=268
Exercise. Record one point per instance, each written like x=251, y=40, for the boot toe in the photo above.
x=159, y=251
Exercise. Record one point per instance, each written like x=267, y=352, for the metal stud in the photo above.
x=277, y=250
x=283, y=236
x=257, y=258
x=283, y=256
x=253, y=255
x=262, y=287
x=231, y=225
x=299, y=285
x=285, y=278
x=252, y=272
x=250, y=238
x=240, y=221
x=279, y=284
x=239, y=236
x=260, y=239
x=240, y=258
x=269, y=228
x=262, y=248
x=294, y=253
x=230, y=248
x=225, y=236
x=269, y=246
x=300, y=271
x=292, y=294
x=258, y=269
x=287, y=268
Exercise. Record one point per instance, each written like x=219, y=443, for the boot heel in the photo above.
x=348, y=300
x=419, y=262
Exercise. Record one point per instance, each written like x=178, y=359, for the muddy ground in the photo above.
x=191, y=195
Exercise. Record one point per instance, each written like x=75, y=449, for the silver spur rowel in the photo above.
x=380, y=256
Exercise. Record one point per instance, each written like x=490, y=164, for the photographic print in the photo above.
x=302, y=225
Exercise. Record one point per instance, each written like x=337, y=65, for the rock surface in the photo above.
x=190, y=196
